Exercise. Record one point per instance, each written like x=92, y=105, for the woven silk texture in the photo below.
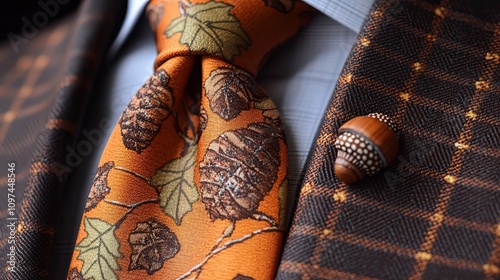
x=192, y=182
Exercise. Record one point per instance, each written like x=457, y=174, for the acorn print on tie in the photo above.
x=150, y=106
x=230, y=91
x=245, y=157
x=194, y=175
x=152, y=243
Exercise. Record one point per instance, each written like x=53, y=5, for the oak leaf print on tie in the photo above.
x=229, y=91
x=176, y=182
x=283, y=6
x=99, y=250
x=238, y=170
x=143, y=117
x=209, y=28
x=100, y=186
x=152, y=244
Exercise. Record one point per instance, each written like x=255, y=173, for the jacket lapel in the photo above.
x=433, y=67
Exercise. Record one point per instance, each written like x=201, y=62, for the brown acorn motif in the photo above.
x=142, y=118
x=238, y=170
x=152, y=244
x=100, y=186
x=230, y=90
x=365, y=145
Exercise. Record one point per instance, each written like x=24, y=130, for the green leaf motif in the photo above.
x=99, y=250
x=178, y=191
x=210, y=28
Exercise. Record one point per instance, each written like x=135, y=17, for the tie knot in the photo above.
x=238, y=31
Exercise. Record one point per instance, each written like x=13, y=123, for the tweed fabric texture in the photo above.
x=433, y=66
x=26, y=96
x=65, y=61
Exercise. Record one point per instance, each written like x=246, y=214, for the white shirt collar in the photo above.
x=350, y=13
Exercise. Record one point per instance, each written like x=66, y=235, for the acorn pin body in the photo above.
x=365, y=145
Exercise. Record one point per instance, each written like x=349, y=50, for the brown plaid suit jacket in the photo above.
x=435, y=214
x=45, y=84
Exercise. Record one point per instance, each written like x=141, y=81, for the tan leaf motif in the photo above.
x=152, y=244
x=176, y=180
x=154, y=14
x=209, y=28
x=238, y=170
x=100, y=186
x=229, y=91
x=228, y=231
x=99, y=250
x=142, y=118
x=74, y=274
x=268, y=108
x=283, y=6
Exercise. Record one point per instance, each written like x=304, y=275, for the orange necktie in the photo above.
x=192, y=182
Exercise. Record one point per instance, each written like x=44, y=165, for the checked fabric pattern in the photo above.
x=433, y=66
x=192, y=182
x=26, y=96
x=44, y=92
